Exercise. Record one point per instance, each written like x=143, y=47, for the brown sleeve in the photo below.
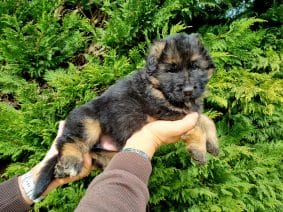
x=121, y=187
x=11, y=198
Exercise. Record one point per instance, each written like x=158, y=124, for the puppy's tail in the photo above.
x=46, y=175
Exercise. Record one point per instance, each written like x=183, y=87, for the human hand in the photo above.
x=160, y=132
x=56, y=182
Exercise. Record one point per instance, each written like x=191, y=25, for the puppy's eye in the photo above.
x=193, y=66
x=172, y=68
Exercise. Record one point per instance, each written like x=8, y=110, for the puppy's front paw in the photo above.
x=212, y=147
x=68, y=166
x=198, y=156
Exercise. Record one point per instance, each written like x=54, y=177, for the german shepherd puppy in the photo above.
x=167, y=88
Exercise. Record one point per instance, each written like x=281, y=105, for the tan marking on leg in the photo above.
x=196, y=139
x=70, y=162
x=71, y=149
x=203, y=137
x=209, y=128
x=92, y=131
x=196, y=143
x=101, y=159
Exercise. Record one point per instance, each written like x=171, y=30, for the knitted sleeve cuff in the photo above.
x=11, y=198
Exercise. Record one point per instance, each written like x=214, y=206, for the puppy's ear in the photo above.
x=154, y=56
x=195, y=38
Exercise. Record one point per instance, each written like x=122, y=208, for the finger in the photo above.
x=188, y=122
x=87, y=165
x=181, y=126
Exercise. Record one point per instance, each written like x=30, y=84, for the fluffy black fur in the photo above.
x=168, y=87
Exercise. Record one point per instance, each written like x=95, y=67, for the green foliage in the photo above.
x=56, y=55
x=51, y=202
x=31, y=47
x=224, y=184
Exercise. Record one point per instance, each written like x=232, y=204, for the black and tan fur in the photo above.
x=168, y=87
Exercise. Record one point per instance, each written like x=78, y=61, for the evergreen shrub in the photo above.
x=56, y=55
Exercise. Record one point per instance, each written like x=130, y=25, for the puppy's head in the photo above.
x=180, y=67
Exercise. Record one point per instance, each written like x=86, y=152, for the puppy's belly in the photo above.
x=106, y=143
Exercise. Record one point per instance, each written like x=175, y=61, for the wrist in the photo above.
x=27, y=184
x=137, y=151
x=143, y=142
x=27, y=199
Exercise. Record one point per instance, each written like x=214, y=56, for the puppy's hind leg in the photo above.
x=46, y=173
x=45, y=177
x=70, y=160
x=71, y=150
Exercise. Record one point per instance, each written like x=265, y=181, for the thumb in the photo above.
x=173, y=128
x=186, y=124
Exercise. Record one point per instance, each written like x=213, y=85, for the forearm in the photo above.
x=121, y=187
x=142, y=142
x=11, y=198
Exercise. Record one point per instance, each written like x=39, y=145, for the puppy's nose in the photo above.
x=188, y=90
